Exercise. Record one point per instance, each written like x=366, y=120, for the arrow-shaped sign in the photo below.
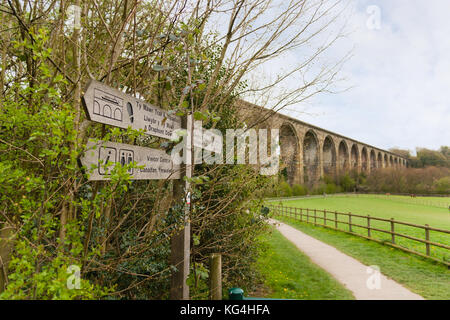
x=100, y=158
x=110, y=106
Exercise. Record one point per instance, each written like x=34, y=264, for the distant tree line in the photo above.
x=428, y=173
x=428, y=180
x=426, y=157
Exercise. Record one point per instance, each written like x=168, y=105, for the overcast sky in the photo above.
x=399, y=73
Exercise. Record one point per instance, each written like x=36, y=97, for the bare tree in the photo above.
x=181, y=55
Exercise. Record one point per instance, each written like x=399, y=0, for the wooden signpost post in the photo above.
x=181, y=241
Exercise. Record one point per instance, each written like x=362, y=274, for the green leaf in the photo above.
x=198, y=115
x=173, y=37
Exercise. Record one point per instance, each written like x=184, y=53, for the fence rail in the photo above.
x=313, y=215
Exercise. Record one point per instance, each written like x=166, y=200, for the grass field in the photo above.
x=289, y=274
x=422, y=276
x=397, y=207
x=440, y=202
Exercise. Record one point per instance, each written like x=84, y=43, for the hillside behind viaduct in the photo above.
x=309, y=152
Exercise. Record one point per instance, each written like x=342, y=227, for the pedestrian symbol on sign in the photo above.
x=126, y=158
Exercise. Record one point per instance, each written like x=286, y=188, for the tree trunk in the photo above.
x=6, y=246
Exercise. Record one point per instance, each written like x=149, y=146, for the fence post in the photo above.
x=335, y=219
x=301, y=214
x=307, y=215
x=392, y=230
x=368, y=225
x=350, y=221
x=315, y=217
x=296, y=213
x=325, y=217
x=215, y=277
x=427, y=238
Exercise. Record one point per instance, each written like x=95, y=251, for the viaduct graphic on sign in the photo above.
x=107, y=105
x=309, y=152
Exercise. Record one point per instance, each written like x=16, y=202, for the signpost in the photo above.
x=110, y=106
x=152, y=163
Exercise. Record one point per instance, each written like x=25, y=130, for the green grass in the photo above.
x=442, y=202
x=386, y=207
x=422, y=276
x=289, y=274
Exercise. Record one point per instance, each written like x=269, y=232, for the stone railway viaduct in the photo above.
x=309, y=152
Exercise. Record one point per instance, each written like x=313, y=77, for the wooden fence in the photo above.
x=321, y=217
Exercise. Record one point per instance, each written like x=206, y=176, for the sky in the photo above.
x=398, y=78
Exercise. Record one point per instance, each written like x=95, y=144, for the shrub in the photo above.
x=347, y=183
x=320, y=189
x=299, y=190
x=285, y=189
x=331, y=188
x=442, y=185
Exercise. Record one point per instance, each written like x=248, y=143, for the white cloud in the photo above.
x=401, y=75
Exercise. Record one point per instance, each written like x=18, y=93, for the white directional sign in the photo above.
x=101, y=157
x=110, y=106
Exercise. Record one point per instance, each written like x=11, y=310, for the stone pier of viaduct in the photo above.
x=309, y=152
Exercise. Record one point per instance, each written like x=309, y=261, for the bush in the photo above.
x=331, y=188
x=442, y=185
x=285, y=189
x=299, y=190
x=347, y=183
x=320, y=189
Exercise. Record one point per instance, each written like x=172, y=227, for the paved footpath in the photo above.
x=350, y=272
